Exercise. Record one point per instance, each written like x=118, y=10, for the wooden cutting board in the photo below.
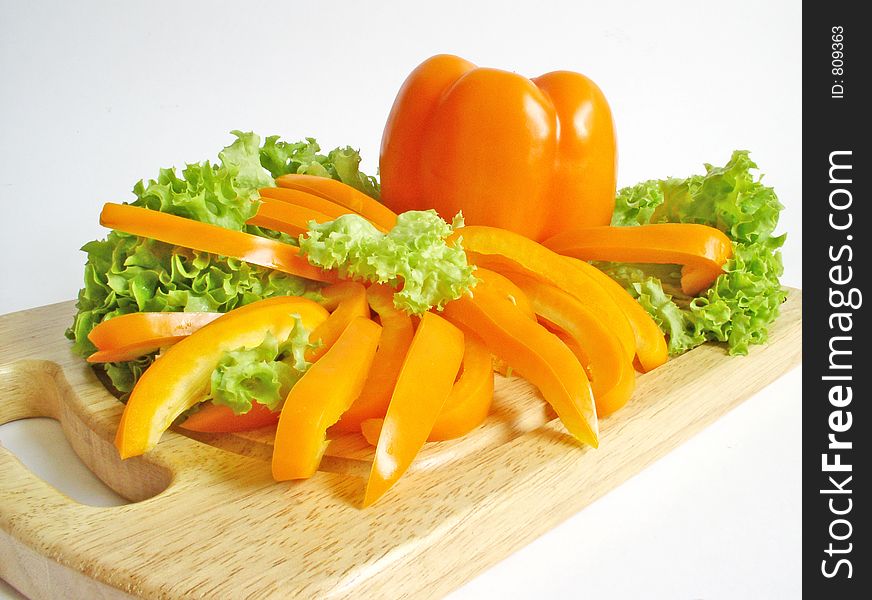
x=211, y=523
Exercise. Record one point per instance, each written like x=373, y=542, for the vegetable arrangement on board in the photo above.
x=281, y=287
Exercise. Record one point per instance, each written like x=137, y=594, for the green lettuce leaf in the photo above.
x=414, y=253
x=263, y=374
x=743, y=302
x=125, y=273
x=281, y=158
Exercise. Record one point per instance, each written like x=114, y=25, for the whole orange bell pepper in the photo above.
x=536, y=156
x=178, y=379
x=701, y=250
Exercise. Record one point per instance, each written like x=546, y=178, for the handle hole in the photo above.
x=40, y=444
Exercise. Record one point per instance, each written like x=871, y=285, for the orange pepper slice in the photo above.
x=468, y=403
x=215, y=418
x=319, y=398
x=141, y=327
x=204, y=237
x=349, y=297
x=506, y=252
x=612, y=378
x=470, y=400
x=424, y=384
x=285, y=217
x=177, y=380
x=397, y=334
x=132, y=351
x=651, y=348
x=508, y=289
x=305, y=200
x=126, y=337
x=342, y=194
x=535, y=353
x=702, y=250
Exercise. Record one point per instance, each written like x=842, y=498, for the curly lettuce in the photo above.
x=125, y=273
x=343, y=164
x=264, y=374
x=414, y=254
x=742, y=303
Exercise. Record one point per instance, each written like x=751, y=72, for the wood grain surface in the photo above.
x=208, y=521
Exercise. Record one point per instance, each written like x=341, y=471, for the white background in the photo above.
x=96, y=95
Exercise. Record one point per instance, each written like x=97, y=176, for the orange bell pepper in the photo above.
x=397, y=334
x=424, y=384
x=506, y=252
x=612, y=378
x=702, y=250
x=318, y=399
x=204, y=237
x=215, y=418
x=531, y=155
x=350, y=300
x=344, y=195
x=535, y=353
x=651, y=348
x=177, y=380
x=285, y=217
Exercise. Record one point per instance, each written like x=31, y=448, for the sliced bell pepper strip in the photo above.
x=468, y=403
x=350, y=298
x=215, y=418
x=470, y=399
x=130, y=336
x=132, y=351
x=508, y=288
x=306, y=200
x=702, y=250
x=345, y=195
x=397, y=333
x=624, y=387
x=178, y=379
x=371, y=429
x=140, y=327
x=612, y=378
x=535, y=353
x=204, y=237
x=423, y=386
x=285, y=217
x=504, y=251
x=651, y=348
x=318, y=399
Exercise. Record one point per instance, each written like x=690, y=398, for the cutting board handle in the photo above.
x=39, y=388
